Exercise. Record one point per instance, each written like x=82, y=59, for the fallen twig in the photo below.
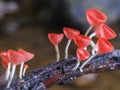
x=61, y=72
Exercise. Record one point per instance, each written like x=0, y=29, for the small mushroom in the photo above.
x=82, y=41
x=25, y=68
x=27, y=56
x=69, y=33
x=102, y=31
x=94, y=17
x=15, y=59
x=82, y=55
x=6, y=64
x=55, y=39
x=103, y=46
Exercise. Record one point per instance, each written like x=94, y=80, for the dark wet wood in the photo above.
x=61, y=72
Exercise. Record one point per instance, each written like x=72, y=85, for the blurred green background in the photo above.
x=26, y=23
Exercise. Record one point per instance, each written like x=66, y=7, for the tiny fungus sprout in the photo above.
x=69, y=33
x=94, y=17
x=27, y=56
x=103, y=46
x=82, y=41
x=82, y=54
x=55, y=39
x=25, y=68
x=6, y=63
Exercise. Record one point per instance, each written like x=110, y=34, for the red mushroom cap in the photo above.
x=95, y=17
x=82, y=41
x=104, y=46
x=82, y=54
x=70, y=32
x=15, y=57
x=25, y=66
x=55, y=39
x=4, y=63
x=104, y=31
x=4, y=56
x=27, y=55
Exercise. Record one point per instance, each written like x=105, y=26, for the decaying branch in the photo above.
x=61, y=72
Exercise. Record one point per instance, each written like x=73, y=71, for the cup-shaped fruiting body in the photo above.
x=55, y=39
x=82, y=41
x=95, y=17
x=82, y=55
x=104, y=31
x=69, y=33
x=27, y=56
x=104, y=46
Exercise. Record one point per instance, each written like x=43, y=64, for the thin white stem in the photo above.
x=24, y=70
x=21, y=70
x=77, y=65
x=57, y=53
x=7, y=74
x=11, y=75
x=81, y=68
x=89, y=29
x=92, y=35
x=66, y=48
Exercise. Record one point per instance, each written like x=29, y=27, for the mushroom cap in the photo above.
x=4, y=56
x=25, y=66
x=55, y=38
x=27, y=55
x=82, y=41
x=4, y=63
x=82, y=54
x=15, y=57
x=104, y=46
x=70, y=32
x=95, y=17
x=104, y=31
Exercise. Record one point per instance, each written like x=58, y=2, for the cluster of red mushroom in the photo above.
x=11, y=58
x=101, y=31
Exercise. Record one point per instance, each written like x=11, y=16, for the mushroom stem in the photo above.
x=7, y=74
x=57, y=53
x=88, y=30
x=66, y=48
x=92, y=43
x=21, y=70
x=81, y=68
x=24, y=70
x=77, y=65
x=11, y=75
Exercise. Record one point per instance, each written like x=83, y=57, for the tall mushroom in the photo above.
x=94, y=17
x=82, y=42
x=15, y=59
x=6, y=63
x=103, y=46
x=69, y=33
x=55, y=39
x=27, y=56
